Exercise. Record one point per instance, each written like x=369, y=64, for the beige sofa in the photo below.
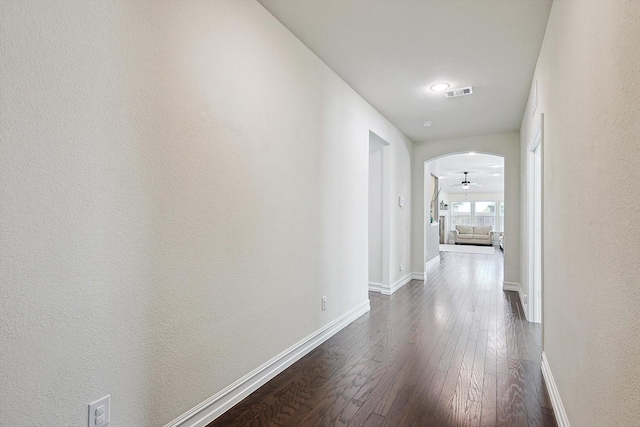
x=474, y=235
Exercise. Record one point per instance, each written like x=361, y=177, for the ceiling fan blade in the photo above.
x=456, y=185
x=476, y=184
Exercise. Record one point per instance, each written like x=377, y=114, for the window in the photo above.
x=460, y=214
x=485, y=214
x=478, y=213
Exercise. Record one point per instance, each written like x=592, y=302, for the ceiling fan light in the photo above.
x=465, y=186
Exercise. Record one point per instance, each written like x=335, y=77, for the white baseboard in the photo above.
x=220, y=402
x=556, y=402
x=418, y=276
x=375, y=287
x=429, y=265
x=433, y=262
x=516, y=287
x=397, y=284
x=511, y=286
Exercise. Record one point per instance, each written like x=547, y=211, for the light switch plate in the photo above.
x=99, y=412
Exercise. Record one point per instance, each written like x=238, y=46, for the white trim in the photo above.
x=433, y=262
x=396, y=285
x=418, y=276
x=511, y=286
x=516, y=287
x=537, y=139
x=533, y=245
x=554, y=394
x=423, y=276
x=216, y=405
x=375, y=286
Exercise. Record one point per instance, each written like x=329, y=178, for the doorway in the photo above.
x=470, y=194
x=378, y=208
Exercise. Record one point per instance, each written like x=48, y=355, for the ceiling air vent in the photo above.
x=459, y=92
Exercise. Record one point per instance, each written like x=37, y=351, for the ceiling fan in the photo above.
x=466, y=184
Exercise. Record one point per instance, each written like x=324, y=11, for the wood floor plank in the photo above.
x=489, y=401
x=454, y=350
x=477, y=375
x=374, y=420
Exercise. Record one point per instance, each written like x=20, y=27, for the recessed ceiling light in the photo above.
x=441, y=177
x=472, y=153
x=495, y=166
x=439, y=87
x=427, y=123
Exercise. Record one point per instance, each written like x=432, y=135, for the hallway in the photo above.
x=455, y=351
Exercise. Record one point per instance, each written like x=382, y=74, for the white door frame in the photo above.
x=535, y=224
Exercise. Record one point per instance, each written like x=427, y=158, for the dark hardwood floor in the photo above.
x=453, y=351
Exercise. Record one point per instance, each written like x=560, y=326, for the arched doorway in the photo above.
x=506, y=145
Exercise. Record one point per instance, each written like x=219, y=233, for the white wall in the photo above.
x=181, y=183
x=588, y=90
x=488, y=197
x=444, y=196
x=502, y=144
x=400, y=217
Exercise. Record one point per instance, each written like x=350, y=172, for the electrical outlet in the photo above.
x=401, y=267
x=324, y=303
x=99, y=415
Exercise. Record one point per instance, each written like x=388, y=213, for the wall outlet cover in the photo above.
x=100, y=412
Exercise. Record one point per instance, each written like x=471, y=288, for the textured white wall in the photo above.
x=503, y=144
x=181, y=182
x=588, y=89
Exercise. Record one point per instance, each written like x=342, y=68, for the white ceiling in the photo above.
x=484, y=169
x=391, y=51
